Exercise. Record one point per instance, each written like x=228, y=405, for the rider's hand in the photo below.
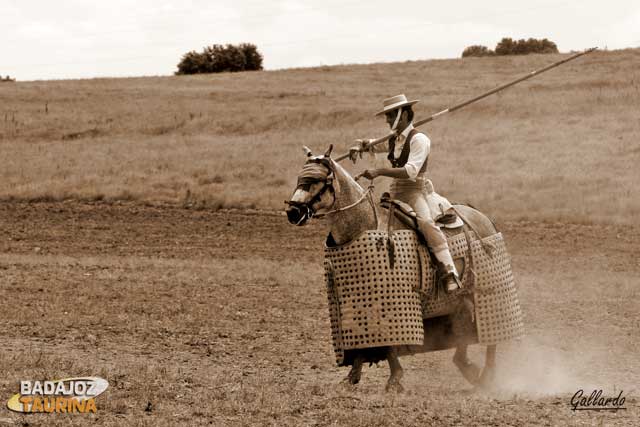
x=357, y=150
x=370, y=174
x=365, y=144
x=354, y=153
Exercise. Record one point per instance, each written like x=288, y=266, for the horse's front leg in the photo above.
x=489, y=372
x=393, y=384
x=469, y=370
x=354, y=375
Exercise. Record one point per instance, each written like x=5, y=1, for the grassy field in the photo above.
x=210, y=316
x=563, y=146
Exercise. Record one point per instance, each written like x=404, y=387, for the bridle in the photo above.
x=306, y=208
x=314, y=171
x=357, y=202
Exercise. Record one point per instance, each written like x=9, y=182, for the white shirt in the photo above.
x=419, y=149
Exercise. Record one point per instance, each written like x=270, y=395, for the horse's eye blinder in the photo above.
x=306, y=183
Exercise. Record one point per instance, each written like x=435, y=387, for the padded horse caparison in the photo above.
x=373, y=304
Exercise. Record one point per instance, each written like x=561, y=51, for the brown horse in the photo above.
x=324, y=188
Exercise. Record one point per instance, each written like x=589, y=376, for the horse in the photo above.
x=324, y=188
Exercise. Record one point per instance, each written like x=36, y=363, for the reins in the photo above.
x=354, y=204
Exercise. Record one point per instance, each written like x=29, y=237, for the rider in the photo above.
x=408, y=151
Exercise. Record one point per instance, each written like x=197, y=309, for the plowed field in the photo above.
x=203, y=318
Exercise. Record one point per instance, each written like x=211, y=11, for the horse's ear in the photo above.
x=307, y=151
x=332, y=165
x=328, y=152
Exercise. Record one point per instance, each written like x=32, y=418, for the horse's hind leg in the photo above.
x=393, y=383
x=488, y=373
x=469, y=370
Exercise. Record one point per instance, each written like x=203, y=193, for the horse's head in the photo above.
x=314, y=190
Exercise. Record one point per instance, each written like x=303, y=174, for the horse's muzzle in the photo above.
x=297, y=215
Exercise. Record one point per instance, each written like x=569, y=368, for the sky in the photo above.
x=70, y=39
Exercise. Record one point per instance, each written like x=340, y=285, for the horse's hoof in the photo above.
x=393, y=384
x=469, y=371
x=352, y=378
x=346, y=384
x=488, y=379
x=348, y=381
x=394, y=387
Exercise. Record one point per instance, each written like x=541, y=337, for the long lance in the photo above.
x=477, y=98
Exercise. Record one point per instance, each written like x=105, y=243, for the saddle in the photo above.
x=444, y=214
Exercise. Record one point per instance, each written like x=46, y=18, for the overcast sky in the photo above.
x=83, y=38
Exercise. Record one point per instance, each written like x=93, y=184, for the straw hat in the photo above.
x=394, y=103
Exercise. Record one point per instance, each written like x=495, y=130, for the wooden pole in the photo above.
x=477, y=98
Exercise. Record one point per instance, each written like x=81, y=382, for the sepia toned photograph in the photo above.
x=337, y=213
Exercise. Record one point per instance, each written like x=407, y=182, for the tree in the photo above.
x=507, y=46
x=547, y=46
x=192, y=63
x=477, y=50
x=252, y=56
x=218, y=58
x=226, y=58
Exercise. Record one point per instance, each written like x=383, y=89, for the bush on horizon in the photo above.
x=218, y=59
x=508, y=46
x=477, y=50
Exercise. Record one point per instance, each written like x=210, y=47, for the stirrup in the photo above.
x=452, y=283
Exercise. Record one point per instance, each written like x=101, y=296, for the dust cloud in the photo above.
x=539, y=366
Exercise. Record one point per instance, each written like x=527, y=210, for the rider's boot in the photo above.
x=437, y=242
x=451, y=279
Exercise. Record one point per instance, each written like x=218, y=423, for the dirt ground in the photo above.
x=219, y=318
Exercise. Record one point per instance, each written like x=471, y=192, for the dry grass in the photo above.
x=561, y=146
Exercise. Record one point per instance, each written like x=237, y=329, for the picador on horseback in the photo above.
x=383, y=285
x=408, y=153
